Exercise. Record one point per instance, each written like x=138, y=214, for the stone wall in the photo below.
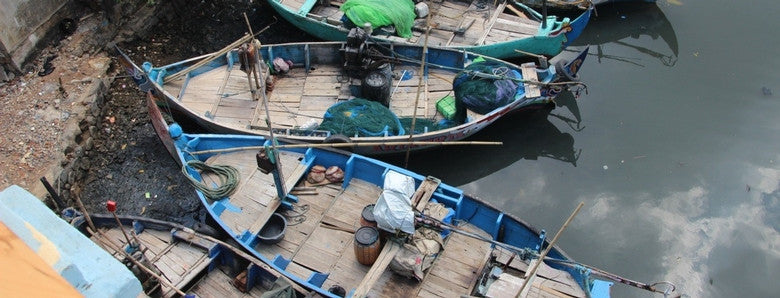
x=24, y=26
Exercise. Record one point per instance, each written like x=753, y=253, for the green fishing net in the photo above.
x=361, y=117
x=399, y=13
x=422, y=125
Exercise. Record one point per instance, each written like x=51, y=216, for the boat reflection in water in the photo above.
x=624, y=25
x=529, y=134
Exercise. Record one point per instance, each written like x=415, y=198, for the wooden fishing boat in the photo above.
x=410, y=90
x=491, y=28
x=172, y=260
x=335, y=221
x=106, y=255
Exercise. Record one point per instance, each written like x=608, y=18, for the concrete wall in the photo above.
x=23, y=25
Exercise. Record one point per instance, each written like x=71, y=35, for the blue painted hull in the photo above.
x=502, y=227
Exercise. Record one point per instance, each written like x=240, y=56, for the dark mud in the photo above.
x=128, y=164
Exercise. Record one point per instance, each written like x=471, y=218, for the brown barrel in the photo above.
x=367, y=245
x=367, y=217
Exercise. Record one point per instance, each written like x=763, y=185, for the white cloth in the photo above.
x=393, y=211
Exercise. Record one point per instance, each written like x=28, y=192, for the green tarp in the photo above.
x=399, y=13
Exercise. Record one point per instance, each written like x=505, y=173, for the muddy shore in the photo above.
x=116, y=155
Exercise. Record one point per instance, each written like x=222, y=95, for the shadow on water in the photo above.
x=526, y=135
x=623, y=24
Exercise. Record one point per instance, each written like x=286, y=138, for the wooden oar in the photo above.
x=531, y=273
x=336, y=145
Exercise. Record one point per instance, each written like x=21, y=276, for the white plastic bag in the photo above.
x=393, y=211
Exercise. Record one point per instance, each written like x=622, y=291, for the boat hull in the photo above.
x=547, y=42
x=506, y=230
x=151, y=79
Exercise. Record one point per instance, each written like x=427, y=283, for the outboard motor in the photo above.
x=355, y=51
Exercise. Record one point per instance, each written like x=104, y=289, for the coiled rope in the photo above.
x=228, y=179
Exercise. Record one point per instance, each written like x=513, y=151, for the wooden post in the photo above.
x=419, y=83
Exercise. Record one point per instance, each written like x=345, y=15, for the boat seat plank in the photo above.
x=529, y=74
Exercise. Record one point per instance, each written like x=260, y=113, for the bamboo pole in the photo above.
x=105, y=240
x=208, y=59
x=531, y=273
x=412, y=143
x=422, y=75
x=86, y=215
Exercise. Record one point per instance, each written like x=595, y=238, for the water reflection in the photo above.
x=623, y=24
x=525, y=135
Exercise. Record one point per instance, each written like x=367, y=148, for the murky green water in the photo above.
x=675, y=150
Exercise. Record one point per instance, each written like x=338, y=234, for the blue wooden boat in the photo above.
x=491, y=28
x=108, y=255
x=185, y=261
x=416, y=91
x=335, y=221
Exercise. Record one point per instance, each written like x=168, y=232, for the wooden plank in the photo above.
x=316, y=259
x=492, y=21
x=529, y=74
x=423, y=193
x=221, y=91
x=511, y=26
x=443, y=288
x=388, y=253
